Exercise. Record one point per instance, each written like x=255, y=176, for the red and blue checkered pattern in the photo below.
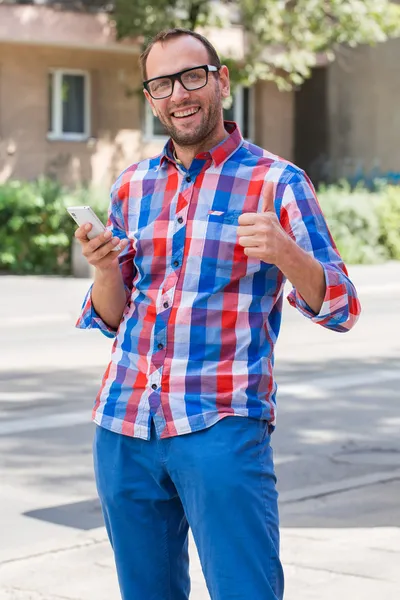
x=197, y=336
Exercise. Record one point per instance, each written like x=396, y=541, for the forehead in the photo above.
x=175, y=55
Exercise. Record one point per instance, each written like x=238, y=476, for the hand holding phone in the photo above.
x=85, y=214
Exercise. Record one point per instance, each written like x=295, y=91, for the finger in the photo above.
x=247, y=230
x=98, y=241
x=119, y=245
x=248, y=219
x=82, y=231
x=106, y=249
x=250, y=241
x=268, y=196
x=109, y=259
x=252, y=253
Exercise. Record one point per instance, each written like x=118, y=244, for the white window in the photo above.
x=69, y=105
x=241, y=111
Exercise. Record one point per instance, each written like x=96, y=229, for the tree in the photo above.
x=282, y=37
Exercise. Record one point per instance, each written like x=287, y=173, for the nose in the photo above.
x=178, y=92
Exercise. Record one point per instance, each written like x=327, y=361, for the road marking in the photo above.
x=24, y=321
x=320, y=386
x=286, y=458
x=318, y=389
x=29, y=396
x=336, y=487
x=384, y=288
x=71, y=317
x=45, y=422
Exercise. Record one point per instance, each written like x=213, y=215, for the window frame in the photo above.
x=56, y=132
x=150, y=136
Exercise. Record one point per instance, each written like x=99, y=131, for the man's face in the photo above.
x=175, y=55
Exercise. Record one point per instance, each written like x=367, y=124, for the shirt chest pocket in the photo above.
x=221, y=250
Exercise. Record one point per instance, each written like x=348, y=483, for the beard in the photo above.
x=210, y=117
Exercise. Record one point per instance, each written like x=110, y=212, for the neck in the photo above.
x=186, y=154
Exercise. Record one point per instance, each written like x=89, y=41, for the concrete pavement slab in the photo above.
x=338, y=425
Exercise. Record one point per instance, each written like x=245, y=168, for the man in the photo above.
x=209, y=231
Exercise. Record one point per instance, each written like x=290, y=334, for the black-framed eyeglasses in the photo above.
x=191, y=79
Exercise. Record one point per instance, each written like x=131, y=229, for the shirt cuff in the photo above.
x=89, y=318
x=335, y=306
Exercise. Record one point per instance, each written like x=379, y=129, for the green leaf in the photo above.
x=283, y=36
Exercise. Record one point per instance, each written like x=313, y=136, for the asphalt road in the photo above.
x=337, y=447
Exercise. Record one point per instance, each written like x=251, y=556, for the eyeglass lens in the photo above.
x=191, y=80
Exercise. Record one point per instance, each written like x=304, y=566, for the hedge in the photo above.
x=365, y=224
x=36, y=232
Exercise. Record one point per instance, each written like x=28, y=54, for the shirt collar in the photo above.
x=219, y=154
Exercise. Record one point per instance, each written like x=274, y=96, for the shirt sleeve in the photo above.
x=302, y=218
x=116, y=223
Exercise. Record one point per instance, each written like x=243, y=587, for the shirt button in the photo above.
x=176, y=263
x=180, y=220
x=160, y=346
x=165, y=305
x=188, y=179
x=154, y=386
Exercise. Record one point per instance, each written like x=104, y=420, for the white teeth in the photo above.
x=186, y=113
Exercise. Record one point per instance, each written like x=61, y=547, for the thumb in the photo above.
x=268, y=195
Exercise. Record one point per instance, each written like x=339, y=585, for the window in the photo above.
x=240, y=111
x=69, y=105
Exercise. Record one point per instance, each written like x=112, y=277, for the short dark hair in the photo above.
x=167, y=34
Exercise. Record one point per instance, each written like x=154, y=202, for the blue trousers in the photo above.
x=219, y=481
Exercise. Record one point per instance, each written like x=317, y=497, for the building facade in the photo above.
x=347, y=116
x=72, y=107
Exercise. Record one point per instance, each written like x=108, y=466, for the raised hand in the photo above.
x=261, y=234
x=100, y=251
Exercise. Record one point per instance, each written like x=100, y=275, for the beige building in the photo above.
x=364, y=112
x=71, y=104
x=347, y=116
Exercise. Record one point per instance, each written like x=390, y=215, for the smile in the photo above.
x=185, y=113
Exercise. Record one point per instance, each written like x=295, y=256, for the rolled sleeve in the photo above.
x=302, y=219
x=89, y=318
x=340, y=308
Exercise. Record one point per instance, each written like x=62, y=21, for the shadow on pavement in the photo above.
x=83, y=515
x=314, y=442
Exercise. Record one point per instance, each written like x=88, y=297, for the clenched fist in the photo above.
x=261, y=234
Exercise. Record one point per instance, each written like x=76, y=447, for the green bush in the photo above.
x=35, y=228
x=36, y=231
x=364, y=224
x=389, y=220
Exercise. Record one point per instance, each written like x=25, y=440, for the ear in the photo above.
x=150, y=101
x=224, y=81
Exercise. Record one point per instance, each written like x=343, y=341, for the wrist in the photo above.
x=286, y=251
x=107, y=276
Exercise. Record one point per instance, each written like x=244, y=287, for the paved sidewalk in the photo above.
x=320, y=564
x=339, y=474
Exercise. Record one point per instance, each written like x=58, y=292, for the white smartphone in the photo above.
x=85, y=214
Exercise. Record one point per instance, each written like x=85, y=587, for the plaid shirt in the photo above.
x=196, y=339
